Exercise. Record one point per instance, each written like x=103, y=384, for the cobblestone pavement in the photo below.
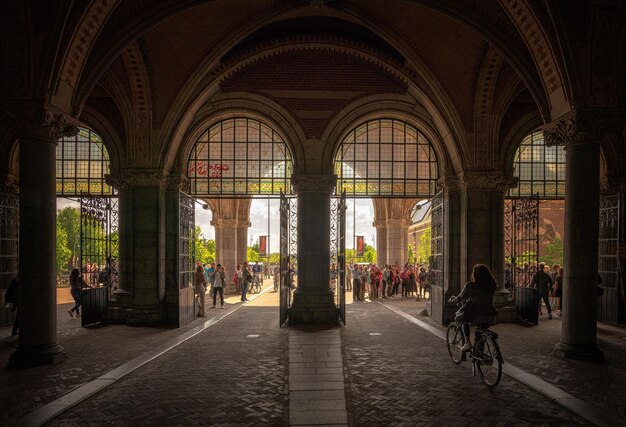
x=404, y=376
x=233, y=373
x=530, y=348
x=91, y=352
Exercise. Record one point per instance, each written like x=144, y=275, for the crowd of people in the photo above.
x=372, y=282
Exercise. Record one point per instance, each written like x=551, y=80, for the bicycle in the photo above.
x=255, y=286
x=485, y=354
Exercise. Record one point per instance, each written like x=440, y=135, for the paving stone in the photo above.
x=317, y=395
x=315, y=386
x=315, y=378
x=317, y=417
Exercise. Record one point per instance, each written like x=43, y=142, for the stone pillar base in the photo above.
x=587, y=353
x=144, y=316
x=506, y=313
x=31, y=356
x=313, y=307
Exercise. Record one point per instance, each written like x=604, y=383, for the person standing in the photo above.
x=384, y=278
x=237, y=279
x=11, y=299
x=367, y=283
x=200, y=283
x=356, y=283
x=557, y=290
x=218, y=285
x=77, y=284
x=543, y=282
x=246, y=279
x=412, y=282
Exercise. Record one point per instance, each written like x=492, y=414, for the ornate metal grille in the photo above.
x=608, y=258
x=186, y=224
x=240, y=157
x=82, y=161
x=98, y=254
x=285, y=274
x=293, y=234
x=386, y=157
x=9, y=240
x=436, y=241
x=341, y=257
x=522, y=246
x=541, y=169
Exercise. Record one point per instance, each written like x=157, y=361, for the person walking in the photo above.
x=77, y=284
x=557, y=290
x=543, y=282
x=356, y=283
x=217, y=286
x=384, y=278
x=200, y=283
x=237, y=279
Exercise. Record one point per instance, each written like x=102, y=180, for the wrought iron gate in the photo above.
x=99, y=243
x=285, y=258
x=521, y=227
x=9, y=239
x=338, y=252
x=608, y=259
x=436, y=261
x=186, y=259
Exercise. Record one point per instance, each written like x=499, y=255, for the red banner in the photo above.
x=360, y=246
x=263, y=246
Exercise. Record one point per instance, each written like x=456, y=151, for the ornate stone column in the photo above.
x=226, y=243
x=381, y=242
x=142, y=250
x=581, y=132
x=483, y=242
x=313, y=300
x=242, y=226
x=38, y=135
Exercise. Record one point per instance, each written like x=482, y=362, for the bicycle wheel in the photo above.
x=489, y=360
x=454, y=337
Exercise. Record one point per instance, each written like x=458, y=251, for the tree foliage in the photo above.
x=411, y=255
x=63, y=252
x=204, y=249
x=423, y=248
x=68, y=219
x=553, y=252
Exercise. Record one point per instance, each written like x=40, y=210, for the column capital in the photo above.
x=398, y=222
x=489, y=181
x=379, y=223
x=583, y=126
x=9, y=184
x=230, y=223
x=313, y=183
x=451, y=183
x=36, y=122
x=175, y=182
x=610, y=185
x=130, y=178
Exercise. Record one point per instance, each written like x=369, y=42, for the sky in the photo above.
x=259, y=227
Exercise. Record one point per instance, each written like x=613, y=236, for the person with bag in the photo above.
x=218, y=285
x=77, y=284
x=246, y=279
x=543, y=282
x=200, y=283
x=476, y=303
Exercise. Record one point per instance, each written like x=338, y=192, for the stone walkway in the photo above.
x=244, y=370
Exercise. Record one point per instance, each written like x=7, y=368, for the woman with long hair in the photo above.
x=477, y=302
x=557, y=290
x=77, y=283
x=200, y=289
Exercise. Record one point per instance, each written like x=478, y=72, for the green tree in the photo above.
x=69, y=220
x=411, y=256
x=423, y=248
x=63, y=252
x=201, y=247
x=553, y=252
x=369, y=254
x=253, y=253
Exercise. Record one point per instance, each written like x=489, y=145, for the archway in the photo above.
x=392, y=162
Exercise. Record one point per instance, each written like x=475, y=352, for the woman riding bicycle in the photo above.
x=477, y=303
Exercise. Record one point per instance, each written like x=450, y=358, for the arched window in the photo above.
x=541, y=169
x=239, y=157
x=82, y=161
x=385, y=157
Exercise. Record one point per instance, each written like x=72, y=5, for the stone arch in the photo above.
x=139, y=140
x=75, y=56
x=548, y=64
x=231, y=106
x=94, y=120
x=447, y=153
x=485, y=131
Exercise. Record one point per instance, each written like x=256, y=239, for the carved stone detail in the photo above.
x=176, y=182
x=398, y=222
x=582, y=126
x=230, y=223
x=130, y=178
x=451, y=183
x=9, y=184
x=489, y=180
x=39, y=123
x=313, y=183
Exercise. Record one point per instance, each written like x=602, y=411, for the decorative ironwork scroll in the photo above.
x=9, y=250
x=608, y=259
